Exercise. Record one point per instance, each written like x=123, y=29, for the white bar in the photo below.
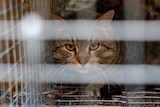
x=122, y=74
x=85, y=29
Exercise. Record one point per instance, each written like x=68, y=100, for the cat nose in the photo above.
x=83, y=62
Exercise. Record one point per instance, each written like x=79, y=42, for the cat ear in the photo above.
x=107, y=16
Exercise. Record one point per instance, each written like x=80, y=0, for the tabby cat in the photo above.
x=84, y=52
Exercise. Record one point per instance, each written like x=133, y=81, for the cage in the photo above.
x=30, y=78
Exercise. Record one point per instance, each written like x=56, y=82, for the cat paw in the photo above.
x=93, y=90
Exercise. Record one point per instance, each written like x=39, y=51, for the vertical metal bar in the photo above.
x=32, y=74
x=17, y=54
x=13, y=52
x=24, y=67
x=21, y=54
x=1, y=50
x=14, y=82
x=7, y=55
x=3, y=87
x=36, y=65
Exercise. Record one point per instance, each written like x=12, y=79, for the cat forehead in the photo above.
x=83, y=29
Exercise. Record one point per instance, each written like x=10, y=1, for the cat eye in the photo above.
x=94, y=46
x=70, y=47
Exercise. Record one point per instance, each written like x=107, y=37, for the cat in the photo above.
x=83, y=52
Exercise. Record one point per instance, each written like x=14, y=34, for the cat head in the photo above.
x=81, y=49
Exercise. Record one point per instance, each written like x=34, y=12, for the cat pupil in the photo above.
x=70, y=46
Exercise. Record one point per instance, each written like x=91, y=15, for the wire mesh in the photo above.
x=12, y=53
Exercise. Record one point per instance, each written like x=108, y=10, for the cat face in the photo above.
x=88, y=51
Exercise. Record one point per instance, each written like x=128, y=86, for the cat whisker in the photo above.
x=64, y=74
x=59, y=70
x=105, y=76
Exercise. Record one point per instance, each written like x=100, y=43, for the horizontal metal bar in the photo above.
x=75, y=96
x=143, y=92
x=123, y=30
x=106, y=74
x=43, y=105
x=105, y=101
x=142, y=97
x=135, y=103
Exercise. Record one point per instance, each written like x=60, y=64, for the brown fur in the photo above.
x=152, y=50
